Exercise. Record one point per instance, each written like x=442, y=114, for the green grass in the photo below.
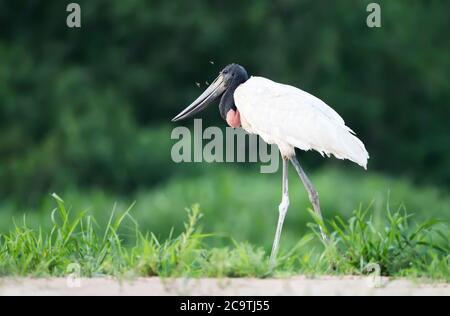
x=242, y=205
x=397, y=246
x=239, y=211
x=394, y=245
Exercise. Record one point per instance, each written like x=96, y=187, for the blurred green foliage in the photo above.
x=90, y=107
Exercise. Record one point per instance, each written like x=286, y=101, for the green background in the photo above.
x=86, y=112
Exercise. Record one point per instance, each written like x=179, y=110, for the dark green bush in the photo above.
x=80, y=107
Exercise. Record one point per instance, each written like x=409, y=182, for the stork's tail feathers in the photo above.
x=352, y=148
x=343, y=144
x=359, y=153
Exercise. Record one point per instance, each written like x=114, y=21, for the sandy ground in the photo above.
x=156, y=286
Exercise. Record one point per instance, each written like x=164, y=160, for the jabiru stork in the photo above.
x=283, y=115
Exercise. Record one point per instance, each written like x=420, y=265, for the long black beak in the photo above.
x=214, y=91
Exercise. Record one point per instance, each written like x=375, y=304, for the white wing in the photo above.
x=290, y=117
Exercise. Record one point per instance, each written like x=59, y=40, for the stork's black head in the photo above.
x=228, y=80
x=234, y=75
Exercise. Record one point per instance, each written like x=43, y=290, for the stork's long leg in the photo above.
x=282, y=210
x=312, y=193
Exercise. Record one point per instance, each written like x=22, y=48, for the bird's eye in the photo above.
x=225, y=72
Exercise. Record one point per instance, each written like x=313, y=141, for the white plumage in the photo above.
x=290, y=117
x=285, y=116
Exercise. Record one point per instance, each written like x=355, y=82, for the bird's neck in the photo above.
x=227, y=102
